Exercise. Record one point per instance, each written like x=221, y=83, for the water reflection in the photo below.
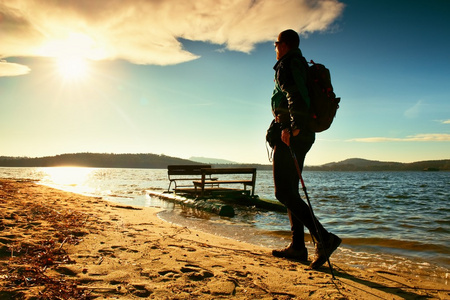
x=73, y=179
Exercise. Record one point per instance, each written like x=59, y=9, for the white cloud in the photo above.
x=147, y=31
x=446, y=122
x=12, y=69
x=429, y=137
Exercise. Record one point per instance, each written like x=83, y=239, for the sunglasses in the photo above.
x=277, y=43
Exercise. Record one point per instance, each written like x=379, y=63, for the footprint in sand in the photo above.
x=107, y=252
x=66, y=271
x=189, y=249
x=196, y=273
x=221, y=287
x=121, y=248
x=168, y=275
x=140, y=290
x=165, y=272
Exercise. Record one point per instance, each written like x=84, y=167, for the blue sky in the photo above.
x=194, y=78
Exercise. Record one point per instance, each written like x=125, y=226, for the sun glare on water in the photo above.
x=72, y=179
x=69, y=176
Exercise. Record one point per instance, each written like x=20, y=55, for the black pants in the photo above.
x=286, y=181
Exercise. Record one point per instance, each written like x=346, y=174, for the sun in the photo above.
x=73, y=68
x=73, y=53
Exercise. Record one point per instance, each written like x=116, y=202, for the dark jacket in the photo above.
x=290, y=100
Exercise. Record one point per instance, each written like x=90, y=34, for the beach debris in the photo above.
x=30, y=260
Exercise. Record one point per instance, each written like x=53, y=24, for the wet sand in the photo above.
x=55, y=244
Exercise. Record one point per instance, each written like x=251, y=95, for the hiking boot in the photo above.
x=321, y=254
x=290, y=252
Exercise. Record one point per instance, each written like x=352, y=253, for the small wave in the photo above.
x=365, y=206
x=439, y=230
x=278, y=233
x=437, y=271
x=397, y=196
x=444, y=222
x=397, y=244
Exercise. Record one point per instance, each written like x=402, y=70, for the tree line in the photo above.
x=154, y=161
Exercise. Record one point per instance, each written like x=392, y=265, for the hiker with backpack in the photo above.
x=291, y=137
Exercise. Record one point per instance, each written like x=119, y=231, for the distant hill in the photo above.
x=206, y=160
x=108, y=160
x=97, y=160
x=153, y=161
x=358, y=164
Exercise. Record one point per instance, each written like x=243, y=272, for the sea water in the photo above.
x=398, y=221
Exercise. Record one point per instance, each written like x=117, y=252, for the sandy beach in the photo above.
x=59, y=245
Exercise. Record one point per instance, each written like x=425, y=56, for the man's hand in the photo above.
x=286, y=135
